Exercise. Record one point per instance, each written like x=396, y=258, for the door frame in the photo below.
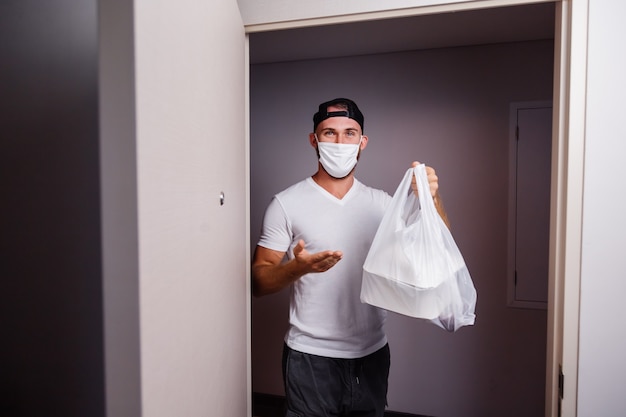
x=568, y=139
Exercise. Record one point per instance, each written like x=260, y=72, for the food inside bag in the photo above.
x=414, y=266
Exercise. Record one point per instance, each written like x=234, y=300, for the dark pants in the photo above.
x=316, y=386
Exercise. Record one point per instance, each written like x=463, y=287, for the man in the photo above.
x=336, y=358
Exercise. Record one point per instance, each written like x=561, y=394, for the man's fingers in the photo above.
x=433, y=181
x=326, y=260
x=298, y=248
x=317, y=262
x=327, y=263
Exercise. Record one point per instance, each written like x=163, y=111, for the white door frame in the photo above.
x=570, y=63
x=567, y=203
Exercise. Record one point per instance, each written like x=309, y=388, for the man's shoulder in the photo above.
x=297, y=188
x=374, y=192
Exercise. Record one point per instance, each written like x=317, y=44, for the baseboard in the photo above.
x=268, y=405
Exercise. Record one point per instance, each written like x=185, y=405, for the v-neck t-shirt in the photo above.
x=326, y=316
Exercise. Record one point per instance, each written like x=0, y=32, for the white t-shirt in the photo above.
x=326, y=316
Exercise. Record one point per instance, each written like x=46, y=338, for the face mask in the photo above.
x=338, y=159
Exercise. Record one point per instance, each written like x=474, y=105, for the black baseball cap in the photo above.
x=352, y=112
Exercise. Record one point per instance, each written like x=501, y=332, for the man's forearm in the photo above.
x=269, y=279
x=441, y=210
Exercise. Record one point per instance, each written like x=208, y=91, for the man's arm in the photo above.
x=440, y=209
x=270, y=274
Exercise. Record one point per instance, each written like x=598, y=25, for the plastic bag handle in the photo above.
x=426, y=200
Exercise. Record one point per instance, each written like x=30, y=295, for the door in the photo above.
x=529, y=205
x=190, y=302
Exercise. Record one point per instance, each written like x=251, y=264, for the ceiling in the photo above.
x=472, y=27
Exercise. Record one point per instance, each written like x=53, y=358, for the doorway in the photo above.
x=363, y=42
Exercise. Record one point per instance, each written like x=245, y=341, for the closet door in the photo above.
x=190, y=70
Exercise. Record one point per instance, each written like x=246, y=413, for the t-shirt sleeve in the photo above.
x=276, y=231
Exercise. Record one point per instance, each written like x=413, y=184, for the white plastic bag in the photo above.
x=414, y=267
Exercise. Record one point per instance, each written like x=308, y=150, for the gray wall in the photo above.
x=450, y=109
x=52, y=349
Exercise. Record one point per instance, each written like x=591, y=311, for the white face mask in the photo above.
x=338, y=159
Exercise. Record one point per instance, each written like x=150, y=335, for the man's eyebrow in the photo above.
x=346, y=129
x=351, y=130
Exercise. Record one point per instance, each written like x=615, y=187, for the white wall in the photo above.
x=602, y=367
x=193, y=292
x=266, y=11
x=450, y=109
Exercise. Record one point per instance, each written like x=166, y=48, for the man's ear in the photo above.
x=364, y=140
x=312, y=140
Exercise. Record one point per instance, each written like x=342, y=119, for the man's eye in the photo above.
x=351, y=133
x=329, y=133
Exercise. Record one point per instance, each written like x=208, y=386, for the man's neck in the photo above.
x=338, y=187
